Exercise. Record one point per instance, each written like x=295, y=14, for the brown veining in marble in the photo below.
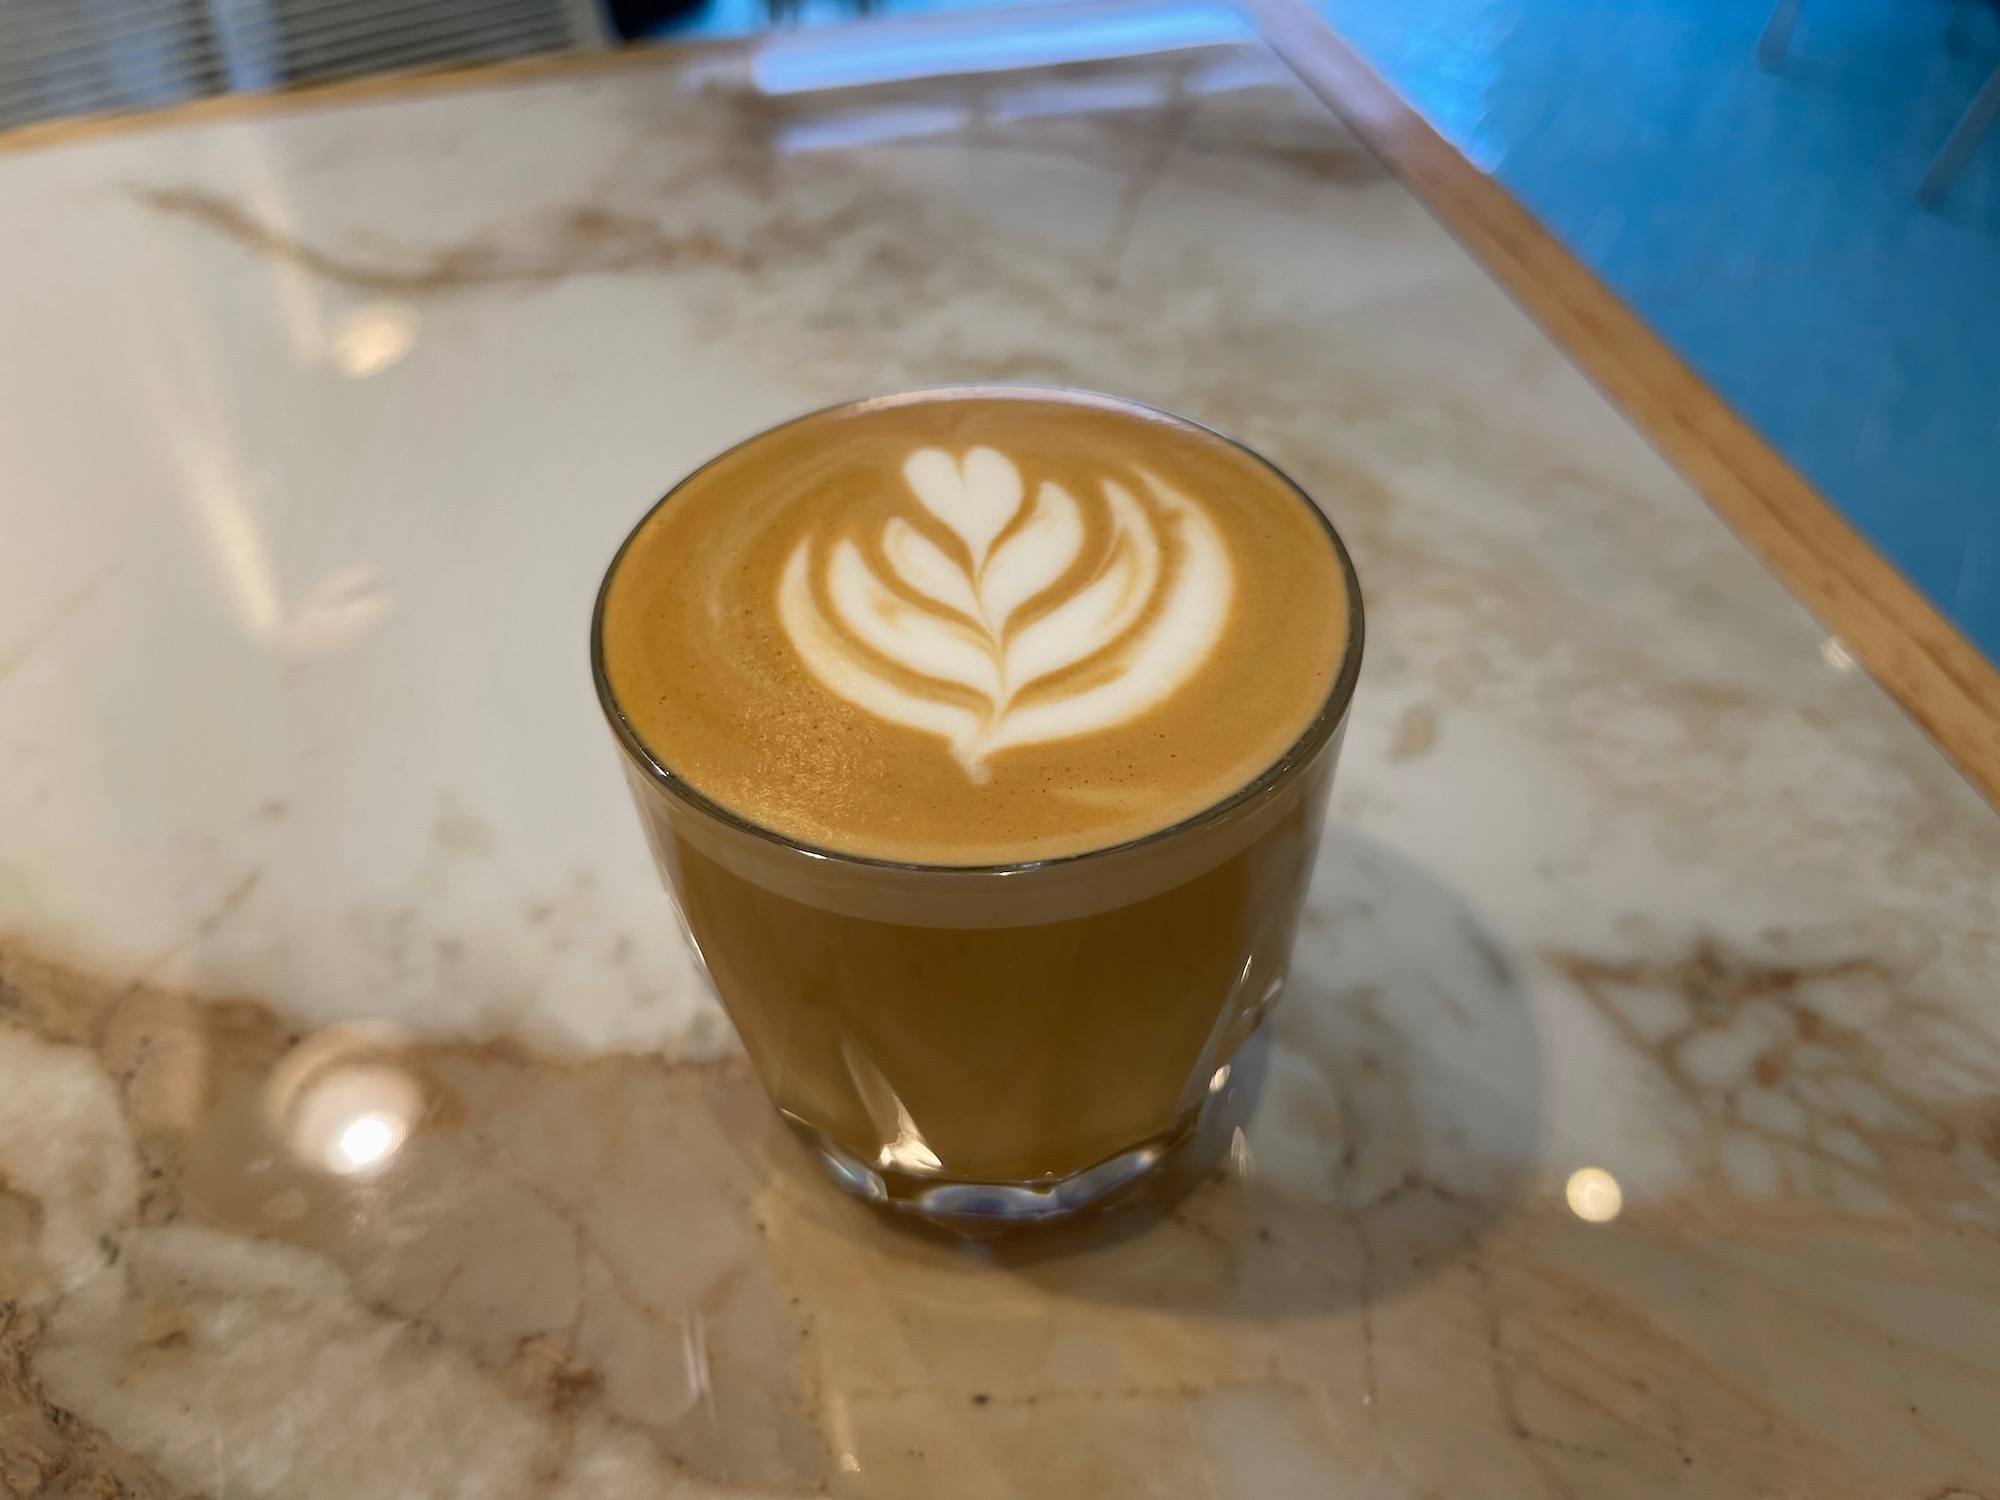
x=15, y=652
x=47, y=1453
x=1831, y=1082
x=847, y=271
x=1416, y=732
x=612, y=1275
x=479, y=1237
x=626, y=1249
x=1202, y=138
x=584, y=239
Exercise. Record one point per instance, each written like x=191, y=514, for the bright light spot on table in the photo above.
x=372, y=338
x=341, y=1103
x=366, y=1142
x=896, y=122
x=354, y=1120
x=1836, y=656
x=337, y=610
x=1594, y=1195
x=1241, y=1158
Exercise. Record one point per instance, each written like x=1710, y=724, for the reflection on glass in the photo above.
x=907, y=1150
x=371, y=339
x=1594, y=1195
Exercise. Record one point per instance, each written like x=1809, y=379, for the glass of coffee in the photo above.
x=983, y=736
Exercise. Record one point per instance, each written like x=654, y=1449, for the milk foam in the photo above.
x=1142, y=621
x=986, y=626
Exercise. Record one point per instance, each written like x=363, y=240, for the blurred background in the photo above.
x=1802, y=197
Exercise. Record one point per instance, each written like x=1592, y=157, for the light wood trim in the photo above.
x=1938, y=677
x=376, y=88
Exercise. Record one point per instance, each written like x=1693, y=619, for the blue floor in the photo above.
x=1765, y=224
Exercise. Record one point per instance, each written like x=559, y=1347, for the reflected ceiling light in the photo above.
x=371, y=339
x=1594, y=1195
x=1105, y=96
x=341, y=1103
x=1251, y=68
x=1242, y=1160
x=223, y=500
x=337, y=610
x=334, y=611
x=368, y=1141
x=1836, y=656
x=352, y=1120
x=931, y=47
x=865, y=127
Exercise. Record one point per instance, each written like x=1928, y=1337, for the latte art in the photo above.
x=978, y=626
x=961, y=641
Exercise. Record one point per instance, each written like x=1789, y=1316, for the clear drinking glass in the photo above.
x=1003, y=1043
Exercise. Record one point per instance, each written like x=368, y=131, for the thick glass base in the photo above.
x=983, y=1207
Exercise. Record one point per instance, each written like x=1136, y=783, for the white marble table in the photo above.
x=316, y=429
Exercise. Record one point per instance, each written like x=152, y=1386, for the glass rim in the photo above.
x=1332, y=711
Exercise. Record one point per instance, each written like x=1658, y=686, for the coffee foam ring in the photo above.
x=1023, y=895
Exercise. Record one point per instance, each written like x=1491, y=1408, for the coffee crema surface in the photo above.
x=975, y=627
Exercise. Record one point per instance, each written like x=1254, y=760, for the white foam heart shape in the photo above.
x=962, y=635
x=976, y=498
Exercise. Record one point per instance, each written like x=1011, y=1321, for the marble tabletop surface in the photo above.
x=1631, y=1127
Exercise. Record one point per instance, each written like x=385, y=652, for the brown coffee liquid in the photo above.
x=975, y=627
x=1004, y=1053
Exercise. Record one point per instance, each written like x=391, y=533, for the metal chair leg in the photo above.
x=1963, y=141
x=1777, y=32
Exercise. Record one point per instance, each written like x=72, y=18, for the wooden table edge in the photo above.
x=1932, y=671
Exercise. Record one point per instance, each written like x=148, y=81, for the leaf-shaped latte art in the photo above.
x=943, y=655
